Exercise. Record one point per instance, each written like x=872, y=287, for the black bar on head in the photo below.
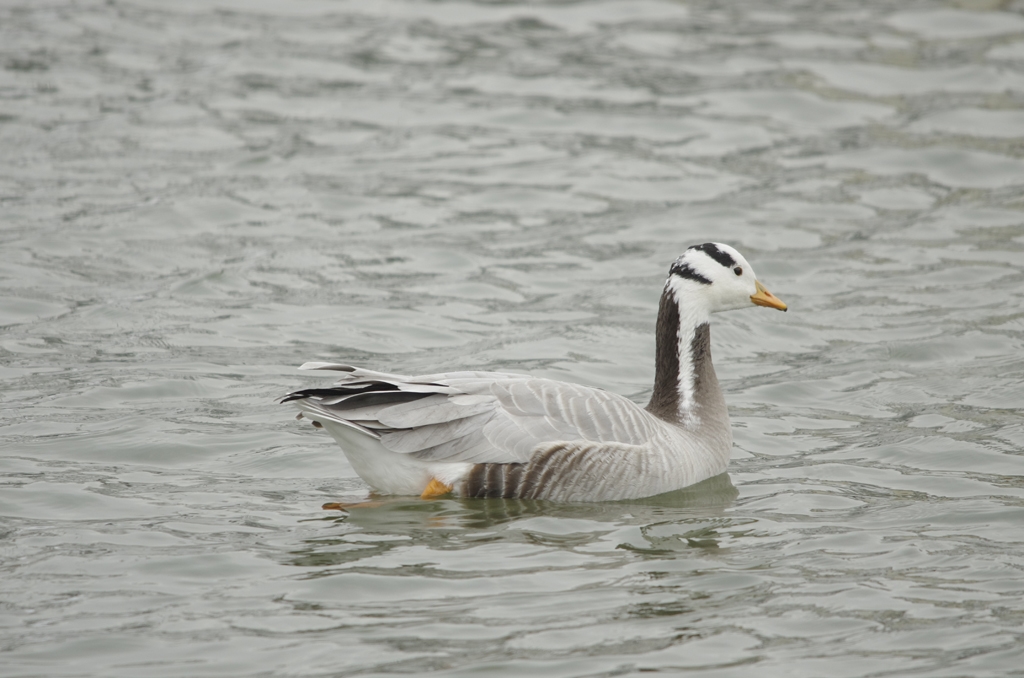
x=683, y=270
x=711, y=249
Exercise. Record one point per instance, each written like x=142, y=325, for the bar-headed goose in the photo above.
x=489, y=434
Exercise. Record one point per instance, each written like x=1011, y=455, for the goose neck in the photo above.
x=682, y=360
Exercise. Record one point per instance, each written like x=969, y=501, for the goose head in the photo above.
x=715, y=277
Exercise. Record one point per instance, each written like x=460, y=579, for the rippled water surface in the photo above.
x=198, y=196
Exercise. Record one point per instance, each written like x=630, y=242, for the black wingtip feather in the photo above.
x=376, y=386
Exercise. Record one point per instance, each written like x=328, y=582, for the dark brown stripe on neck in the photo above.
x=665, y=399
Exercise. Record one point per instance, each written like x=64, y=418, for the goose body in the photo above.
x=492, y=434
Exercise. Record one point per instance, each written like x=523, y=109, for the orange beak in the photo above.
x=765, y=298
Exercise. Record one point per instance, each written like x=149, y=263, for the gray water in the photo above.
x=198, y=196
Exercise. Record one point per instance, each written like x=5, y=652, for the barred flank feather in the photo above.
x=570, y=471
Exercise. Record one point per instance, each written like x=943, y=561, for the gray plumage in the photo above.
x=476, y=417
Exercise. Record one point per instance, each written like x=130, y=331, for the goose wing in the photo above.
x=477, y=417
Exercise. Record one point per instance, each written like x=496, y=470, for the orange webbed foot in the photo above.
x=435, y=488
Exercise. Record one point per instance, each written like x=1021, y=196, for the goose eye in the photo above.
x=738, y=270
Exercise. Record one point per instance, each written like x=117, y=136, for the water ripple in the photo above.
x=199, y=196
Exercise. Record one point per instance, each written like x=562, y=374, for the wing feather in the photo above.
x=434, y=409
x=472, y=448
x=478, y=417
x=432, y=435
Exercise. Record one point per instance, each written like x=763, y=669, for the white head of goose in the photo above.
x=490, y=434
